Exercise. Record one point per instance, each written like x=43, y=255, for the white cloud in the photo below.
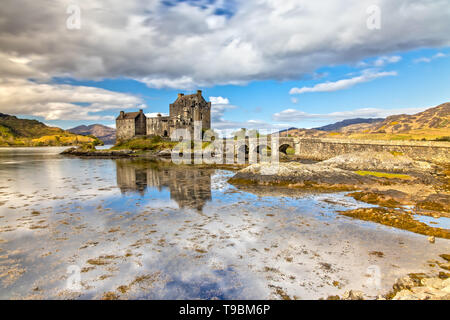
x=293, y=115
x=219, y=100
x=380, y=62
x=62, y=101
x=428, y=60
x=155, y=114
x=344, y=83
x=219, y=105
x=186, y=44
x=423, y=59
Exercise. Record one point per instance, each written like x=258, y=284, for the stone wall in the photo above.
x=322, y=149
x=141, y=124
x=125, y=129
x=160, y=126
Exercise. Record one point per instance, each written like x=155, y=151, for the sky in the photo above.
x=266, y=64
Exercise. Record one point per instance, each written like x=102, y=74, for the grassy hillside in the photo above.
x=23, y=132
x=431, y=124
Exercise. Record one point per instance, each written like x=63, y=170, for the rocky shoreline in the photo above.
x=414, y=286
x=400, y=188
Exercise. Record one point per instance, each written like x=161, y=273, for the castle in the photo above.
x=182, y=114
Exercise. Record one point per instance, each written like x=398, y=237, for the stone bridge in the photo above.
x=322, y=149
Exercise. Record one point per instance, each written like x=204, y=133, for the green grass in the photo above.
x=290, y=151
x=145, y=143
x=153, y=143
x=384, y=175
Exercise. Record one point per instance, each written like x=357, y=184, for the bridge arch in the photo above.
x=243, y=148
x=284, y=147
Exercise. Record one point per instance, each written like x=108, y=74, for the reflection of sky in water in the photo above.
x=442, y=222
x=190, y=232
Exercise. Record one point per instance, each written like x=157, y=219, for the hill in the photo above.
x=104, y=133
x=341, y=124
x=303, y=133
x=24, y=132
x=431, y=124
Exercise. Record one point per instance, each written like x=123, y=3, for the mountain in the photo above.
x=341, y=124
x=431, y=124
x=286, y=130
x=24, y=132
x=104, y=133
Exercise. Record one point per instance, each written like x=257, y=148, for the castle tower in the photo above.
x=190, y=108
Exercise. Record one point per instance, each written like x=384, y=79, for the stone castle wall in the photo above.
x=141, y=125
x=125, y=129
x=322, y=149
x=160, y=126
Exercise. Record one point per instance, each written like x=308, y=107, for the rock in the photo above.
x=82, y=152
x=435, y=283
x=353, y=295
x=445, y=266
x=301, y=175
x=343, y=171
x=165, y=153
x=403, y=295
x=446, y=287
x=405, y=283
x=445, y=257
x=421, y=287
x=379, y=161
x=432, y=239
x=436, y=202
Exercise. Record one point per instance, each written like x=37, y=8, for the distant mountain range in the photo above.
x=431, y=124
x=24, y=132
x=104, y=133
x=341, y=124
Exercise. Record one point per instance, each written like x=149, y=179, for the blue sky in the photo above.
x=419, y=84
x=263, y=64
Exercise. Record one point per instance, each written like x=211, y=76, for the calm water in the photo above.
x=86, y=228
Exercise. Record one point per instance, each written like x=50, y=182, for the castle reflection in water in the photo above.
x=190, y=188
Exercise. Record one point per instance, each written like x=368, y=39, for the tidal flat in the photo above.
x=75, y=228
